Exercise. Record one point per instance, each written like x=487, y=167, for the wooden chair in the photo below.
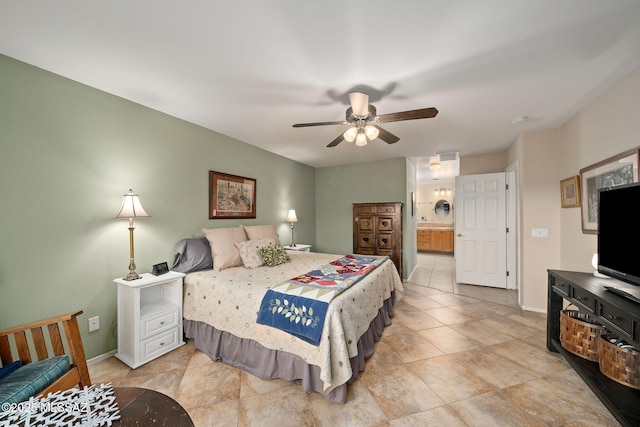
x=78, y=375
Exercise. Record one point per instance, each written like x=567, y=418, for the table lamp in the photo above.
x=291, y=217
x=131, y=208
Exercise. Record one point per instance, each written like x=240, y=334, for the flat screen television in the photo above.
x=619, y=232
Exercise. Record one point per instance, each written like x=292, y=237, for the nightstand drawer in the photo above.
x=154, y=347
x=151, y=325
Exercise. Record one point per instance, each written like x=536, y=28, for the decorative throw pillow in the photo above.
x=223, y=250
x=261, y=231
x=273, y=255
x=249, y=251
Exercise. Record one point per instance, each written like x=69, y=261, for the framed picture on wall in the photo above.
x=617, y=170
x=231, y=196
x=570, y=192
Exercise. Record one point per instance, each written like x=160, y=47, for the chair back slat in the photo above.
x=77, y=350
x=56, y=340
x=23, y=347
x=39, y=343
x=5, y=351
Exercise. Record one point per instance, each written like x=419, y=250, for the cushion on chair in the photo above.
x=32, y=378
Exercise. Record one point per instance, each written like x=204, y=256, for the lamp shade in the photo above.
x=361, y=139
x=350, y=134
x=131, y=207
x=371, y=131
x=291, y=216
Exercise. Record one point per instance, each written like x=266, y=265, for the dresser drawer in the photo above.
x=386, y=209
x=366, y=209
x=618, y=318
x=154, y=347
x=155, y=323
x=584, y=300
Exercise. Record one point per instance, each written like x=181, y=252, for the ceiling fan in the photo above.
x=364, y=121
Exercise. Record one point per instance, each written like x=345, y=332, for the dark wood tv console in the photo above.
x=618, y=315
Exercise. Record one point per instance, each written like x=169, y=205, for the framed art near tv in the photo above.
x=617, y=170
x=570, y=192
x=231, y=196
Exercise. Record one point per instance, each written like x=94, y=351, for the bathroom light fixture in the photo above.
x=131, y=208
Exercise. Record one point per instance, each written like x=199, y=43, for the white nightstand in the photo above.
x=149, y=317
x=298, y=247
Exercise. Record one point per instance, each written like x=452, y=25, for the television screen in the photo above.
x=619, y=232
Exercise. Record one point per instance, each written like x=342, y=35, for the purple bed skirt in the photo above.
x=267, y=364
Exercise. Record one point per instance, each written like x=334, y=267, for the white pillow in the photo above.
x=261, y=231
x=249, y=251
x=223, y=250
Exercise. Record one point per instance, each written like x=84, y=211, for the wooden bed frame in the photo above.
x=78, y=375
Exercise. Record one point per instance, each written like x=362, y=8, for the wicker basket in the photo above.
x=620, y=364
x=579, y=334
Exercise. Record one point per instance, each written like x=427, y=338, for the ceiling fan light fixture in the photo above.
x=350, y=134
x=361, y=139
x=371, y=132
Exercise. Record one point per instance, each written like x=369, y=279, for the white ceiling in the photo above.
x=251, y=69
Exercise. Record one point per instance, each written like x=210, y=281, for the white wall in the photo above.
x=608, y=126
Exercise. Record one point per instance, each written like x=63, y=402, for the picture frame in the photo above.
x=231, y=196
x=570, y=192
x=617, y=170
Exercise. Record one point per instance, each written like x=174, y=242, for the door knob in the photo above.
x=460, y=235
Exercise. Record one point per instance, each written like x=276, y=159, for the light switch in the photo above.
x=539, y=232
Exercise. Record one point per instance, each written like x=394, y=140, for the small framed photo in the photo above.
x=617, y=170
x=570, y=192
x=231, y=196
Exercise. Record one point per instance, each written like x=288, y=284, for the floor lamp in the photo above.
x=291, y=217
x=131, y=208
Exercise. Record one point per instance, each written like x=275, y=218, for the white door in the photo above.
x=480, y=230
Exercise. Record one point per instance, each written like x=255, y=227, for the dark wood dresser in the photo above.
x=377, y=230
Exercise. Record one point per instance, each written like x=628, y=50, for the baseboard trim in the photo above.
x=101, y=357
x=535, y=309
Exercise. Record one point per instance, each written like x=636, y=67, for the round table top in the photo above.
x=142, y=407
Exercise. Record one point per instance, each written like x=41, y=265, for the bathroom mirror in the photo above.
x=442, y=208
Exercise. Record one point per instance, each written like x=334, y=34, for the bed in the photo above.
x=221, y=307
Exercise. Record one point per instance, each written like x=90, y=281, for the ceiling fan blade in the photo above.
x=359, y=103
x=304, y=125
x=423, y=113
x=336, y=141
x=387, y=136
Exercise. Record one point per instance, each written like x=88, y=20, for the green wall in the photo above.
x=68, y=154
x=338, y=187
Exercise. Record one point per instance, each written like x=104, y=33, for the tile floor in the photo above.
x=456, y=355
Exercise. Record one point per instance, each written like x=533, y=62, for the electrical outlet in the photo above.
x=94, y=323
